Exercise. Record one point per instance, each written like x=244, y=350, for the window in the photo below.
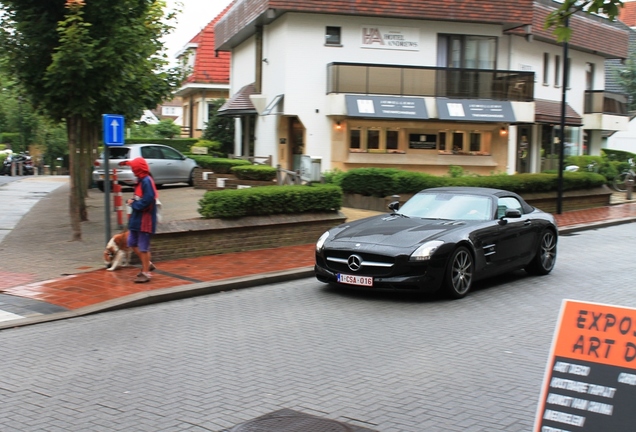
x=546, y=68
x=332, y=36
x=475, y=142
x=557, y=71
x=589, y=76
x=467, y=51
x=355, y=143
x=392, y=137
x=374, y=139
x=505, y=203
x=442, y=141
x=458, y=142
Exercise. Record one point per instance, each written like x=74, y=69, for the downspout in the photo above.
x=258, y=70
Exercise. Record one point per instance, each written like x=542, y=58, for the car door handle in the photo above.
x=527, y=223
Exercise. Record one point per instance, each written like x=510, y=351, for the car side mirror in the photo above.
x=394, y=206
x=512, y=213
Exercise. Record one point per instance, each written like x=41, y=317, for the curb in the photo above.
x=168, y=294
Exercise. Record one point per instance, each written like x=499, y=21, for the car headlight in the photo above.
x=321, y=241
x=426, y=251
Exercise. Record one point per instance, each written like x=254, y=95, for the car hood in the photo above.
x=394, y=230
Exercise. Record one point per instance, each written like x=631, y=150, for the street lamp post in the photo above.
x=562, y=131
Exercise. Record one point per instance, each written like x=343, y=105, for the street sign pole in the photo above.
x=113, y=128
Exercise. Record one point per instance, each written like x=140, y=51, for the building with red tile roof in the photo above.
x=628, y=13
x=208, y=80
x=420, y=85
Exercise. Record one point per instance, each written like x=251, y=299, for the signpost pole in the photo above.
x=107, y=192
x=113, y=128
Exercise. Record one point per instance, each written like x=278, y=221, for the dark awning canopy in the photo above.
x=240, y=103
x=475, y=110
x=550, y=112
x=391, y=107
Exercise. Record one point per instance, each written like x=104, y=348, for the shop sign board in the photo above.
x=475, y=110
x=390, y=107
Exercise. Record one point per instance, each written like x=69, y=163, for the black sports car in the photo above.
x=441, y=238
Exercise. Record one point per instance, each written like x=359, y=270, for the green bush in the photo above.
x=218, y=165
x=380, y=182
x=333, y=177
x=13, y=138
x=618, y=155
x=377, y=182
x=254, y=172
x=212, y=146
x=268, y=200
x=181, y=144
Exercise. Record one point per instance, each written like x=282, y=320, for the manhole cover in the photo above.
x=292, y=424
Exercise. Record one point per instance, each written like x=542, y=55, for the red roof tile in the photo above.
x=546, y=111
x=210, y=66
x=628, y=14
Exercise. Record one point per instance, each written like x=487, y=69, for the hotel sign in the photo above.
x=391, y=38
x=391, y=107
x=475, y=110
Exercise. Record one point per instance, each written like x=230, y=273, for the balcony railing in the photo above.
x=599, y=101
x=430, y=81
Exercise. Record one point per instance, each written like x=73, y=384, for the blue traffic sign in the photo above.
x=113, y=129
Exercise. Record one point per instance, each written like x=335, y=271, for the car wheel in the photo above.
x=191, y=178
x=459, y=273
x=545, y=258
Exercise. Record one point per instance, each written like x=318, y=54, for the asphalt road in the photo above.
x=391, y=363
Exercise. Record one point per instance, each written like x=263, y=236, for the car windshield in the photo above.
x=448, y=206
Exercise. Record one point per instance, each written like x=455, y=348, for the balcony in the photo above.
x=603, y=102
x=605, y=111
x=451, y=83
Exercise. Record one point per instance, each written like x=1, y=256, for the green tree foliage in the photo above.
x=557, y=19
x=80, y=59
x=220, y=128
x=167, y=129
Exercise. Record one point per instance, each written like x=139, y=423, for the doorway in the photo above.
x=296, y=142
x=524, y=139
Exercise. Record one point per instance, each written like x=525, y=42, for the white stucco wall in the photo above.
x=297, y=59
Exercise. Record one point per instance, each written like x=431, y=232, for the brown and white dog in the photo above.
x=117, y=253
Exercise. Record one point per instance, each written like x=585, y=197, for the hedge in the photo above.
x=269, y=200
x=381, y=182
x=218, y=165
x=254, y=172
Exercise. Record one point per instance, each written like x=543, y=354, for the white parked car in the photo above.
x=166, y=164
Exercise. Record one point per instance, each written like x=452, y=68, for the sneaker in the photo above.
x=142, y=278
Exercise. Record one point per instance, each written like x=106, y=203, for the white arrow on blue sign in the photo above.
x=113, y=125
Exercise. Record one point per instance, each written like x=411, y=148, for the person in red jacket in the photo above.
x=143, y=220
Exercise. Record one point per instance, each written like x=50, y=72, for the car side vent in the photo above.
x=453, y=223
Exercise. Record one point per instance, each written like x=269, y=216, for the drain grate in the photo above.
x=287, y=420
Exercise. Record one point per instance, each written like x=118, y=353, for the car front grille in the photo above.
x=362, y=264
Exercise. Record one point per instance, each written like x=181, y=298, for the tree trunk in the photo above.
x=73, y=128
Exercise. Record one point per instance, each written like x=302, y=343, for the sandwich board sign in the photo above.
x=590, y=378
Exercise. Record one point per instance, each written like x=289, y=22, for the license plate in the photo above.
x=355, y=280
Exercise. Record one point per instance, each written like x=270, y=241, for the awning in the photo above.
x=274, y=102
x=392, y=107
x=475, y=110
x=240, y=103
x=546, y=111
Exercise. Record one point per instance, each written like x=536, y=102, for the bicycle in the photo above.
x=620, y=181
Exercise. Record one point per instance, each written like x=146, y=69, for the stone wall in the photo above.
x=199, y=237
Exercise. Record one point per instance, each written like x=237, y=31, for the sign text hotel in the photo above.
x=391, y=38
